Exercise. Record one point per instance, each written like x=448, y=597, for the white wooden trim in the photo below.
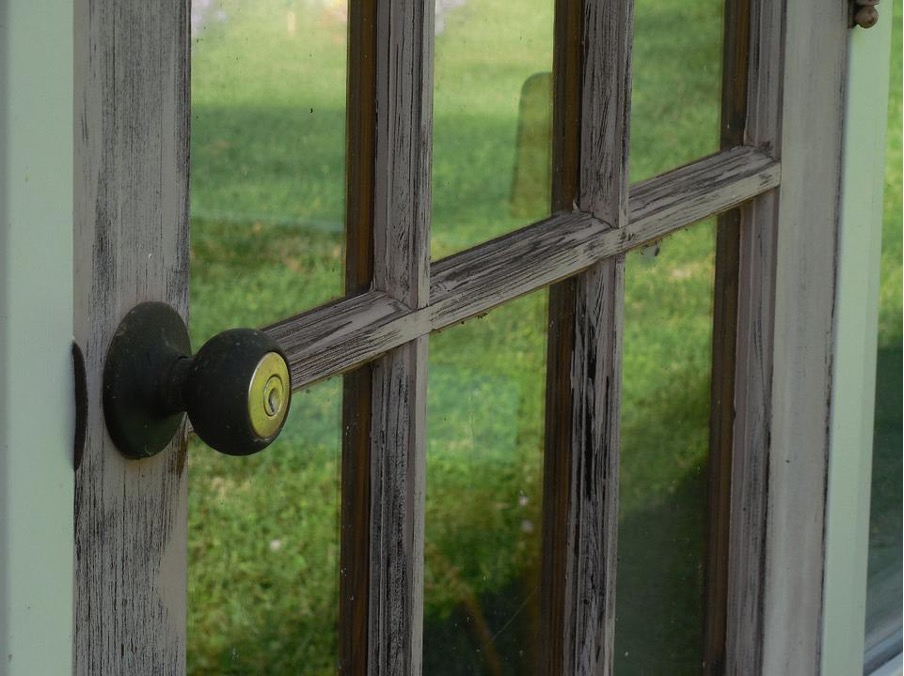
x=36, y=387
x=854, y=373
x=805, y=279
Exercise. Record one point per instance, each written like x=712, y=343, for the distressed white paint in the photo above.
x=854, y=373
x=36, y=390
x=130, y=245
x=401, y=232
x=344, y=334
x=802, y=347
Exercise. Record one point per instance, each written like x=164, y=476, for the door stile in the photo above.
x=805, y=276
x=131, y=245
x=592, y=73
x=401, y=222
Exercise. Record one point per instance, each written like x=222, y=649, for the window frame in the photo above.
x=783, y=176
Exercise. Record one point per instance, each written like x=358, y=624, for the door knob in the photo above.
x=236, y=389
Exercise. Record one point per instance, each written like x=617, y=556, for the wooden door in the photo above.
x=132, y=110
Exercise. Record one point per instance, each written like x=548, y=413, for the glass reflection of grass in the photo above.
x=665, y=420
x=267, y=198
x=264, y=549
x=484, y=491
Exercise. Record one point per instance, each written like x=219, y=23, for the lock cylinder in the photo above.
x=237, y=391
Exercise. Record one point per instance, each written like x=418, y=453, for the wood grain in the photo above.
x=556, y=626
x=347, y=333
x=586, y=314
x=354, y=539
x=756, y=237
x=401, y=235
x=131, y=245
x=735, y=78
x=806, y=248
x=397, y=503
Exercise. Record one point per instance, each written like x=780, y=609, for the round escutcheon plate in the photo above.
x=149, y=342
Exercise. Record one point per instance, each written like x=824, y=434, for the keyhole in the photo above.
x=273, y=396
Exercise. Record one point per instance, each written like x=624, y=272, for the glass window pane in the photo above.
x=665, y=444
x=677, y=75
x=491, y=119
x=263, y=572
x=484, y=492
x=267, y=208
x=268, y=156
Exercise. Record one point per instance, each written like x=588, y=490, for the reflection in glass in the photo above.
x=263, y=573
x=491, y=119
x=267, y=209
x=677, y=75
x=484, y=492
x=665, y=437
x=268, y=157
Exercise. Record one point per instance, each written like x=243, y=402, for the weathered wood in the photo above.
x=360, y=127
x=593, y=43
x=806, y=249
x=397, y=504
x=354, y=535
x=699, y=190
x=721, y=434
x=401, y=227
x=131, y=245
x=556, y=625
x=404, y=122
x=354, y=539
x=756, y=234
x=735, y=67
x=344, y=334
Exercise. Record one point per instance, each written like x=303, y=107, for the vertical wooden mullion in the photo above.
x=354, y=546
x=742, y=346
x=751, y=115
x=403, y=116
x=590, y=156
x=735, y=66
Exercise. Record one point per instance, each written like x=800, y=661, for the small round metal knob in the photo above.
x=864, y=13
x=236, y=389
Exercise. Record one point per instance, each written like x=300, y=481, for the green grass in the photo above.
x=892, y=281
x=267, y=205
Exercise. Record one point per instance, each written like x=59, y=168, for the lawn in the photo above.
x=268, y=156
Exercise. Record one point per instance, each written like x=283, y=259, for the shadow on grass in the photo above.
x=659, y=603
x=660, y=577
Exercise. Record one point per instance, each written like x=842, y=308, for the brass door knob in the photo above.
x=236, y=389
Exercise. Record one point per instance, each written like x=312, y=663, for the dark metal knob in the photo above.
x=236, y=389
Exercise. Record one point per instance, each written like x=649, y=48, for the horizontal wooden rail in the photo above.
x=339, y=336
